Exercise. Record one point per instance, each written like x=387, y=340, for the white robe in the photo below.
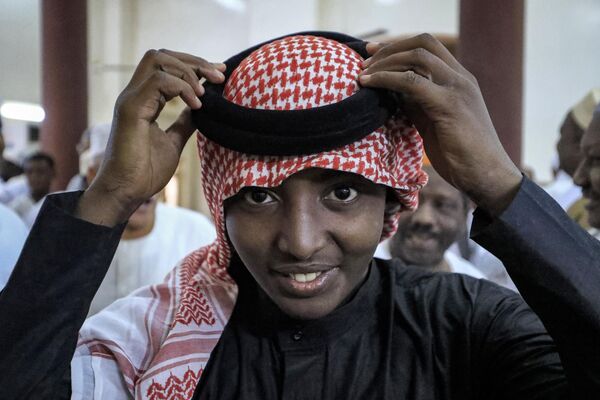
x=147, y=260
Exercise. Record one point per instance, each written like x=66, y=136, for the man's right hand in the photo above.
x=140, y=156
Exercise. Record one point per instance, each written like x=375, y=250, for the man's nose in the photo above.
x=303, y=231
x=581, y=175
x=424, y=215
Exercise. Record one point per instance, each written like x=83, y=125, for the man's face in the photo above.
x=424, y=235
x=569, y=152
x=588, y=173
x=308, y=242
x=39, y=176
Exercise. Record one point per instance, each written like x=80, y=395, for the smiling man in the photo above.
x=587, y=174
x=424, y=235
x=312, y=269
x=308, y=159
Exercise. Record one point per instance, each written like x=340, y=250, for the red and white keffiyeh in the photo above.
x=155, y=343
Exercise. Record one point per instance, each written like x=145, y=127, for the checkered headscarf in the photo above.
x=301, y=72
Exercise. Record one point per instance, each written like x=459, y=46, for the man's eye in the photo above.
x=258, y=197
x=446, y=205
x=343, y=193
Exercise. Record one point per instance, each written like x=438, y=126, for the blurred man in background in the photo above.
x=155, y=238
x=39, y=171
x=562, y=189
x=424, y=235
x=92, y=143
x=587, y=175
x=8, y=170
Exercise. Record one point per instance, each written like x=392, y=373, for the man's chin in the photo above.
x=418, y=260
x=305, y=309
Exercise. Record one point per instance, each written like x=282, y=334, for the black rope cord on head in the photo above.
x=292, y=132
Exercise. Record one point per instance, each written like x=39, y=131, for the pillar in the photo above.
x=64, y=83
x=491, y=47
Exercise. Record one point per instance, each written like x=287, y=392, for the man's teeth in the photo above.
x=311, y=276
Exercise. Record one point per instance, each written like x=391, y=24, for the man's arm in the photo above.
x=72, y=243
x=556, y=267
x=47, y=299
x=553, y=262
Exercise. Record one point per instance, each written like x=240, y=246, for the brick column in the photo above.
x=491, y=47
x=64, y=83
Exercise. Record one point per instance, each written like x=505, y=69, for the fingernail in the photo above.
x=364, y=78
x=200, y=89
x=220, y=66
x=367, y=62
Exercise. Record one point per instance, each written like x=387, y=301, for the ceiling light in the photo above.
x=22, y=111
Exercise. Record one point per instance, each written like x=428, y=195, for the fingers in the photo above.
x=213, y=72
x=179, y=132
x=147, y=100
x=420, y=67
x=164, y=74
x=424, y=41
x=185, y=67
x=409, y=82
x=419, y=60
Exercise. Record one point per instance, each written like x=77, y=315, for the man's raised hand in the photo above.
x=141, y=157
x=446, y=105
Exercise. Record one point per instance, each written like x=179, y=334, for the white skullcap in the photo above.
x=583, y=111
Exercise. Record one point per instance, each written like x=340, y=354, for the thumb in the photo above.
x=180, y=131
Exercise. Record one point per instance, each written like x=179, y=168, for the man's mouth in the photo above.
x=307, y=281
x=309, y=277
x=422, y=239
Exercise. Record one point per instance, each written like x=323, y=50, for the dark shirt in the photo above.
x=405, y=333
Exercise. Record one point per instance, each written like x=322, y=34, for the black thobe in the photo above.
x=404, y=334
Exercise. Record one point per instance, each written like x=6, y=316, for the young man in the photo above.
x=288, y=303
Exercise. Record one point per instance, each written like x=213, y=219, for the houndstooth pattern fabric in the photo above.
x=182, y=319
x=295, y=73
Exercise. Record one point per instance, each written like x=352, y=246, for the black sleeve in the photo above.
x=47, y=298
x=514, y=356
x=556, y=267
